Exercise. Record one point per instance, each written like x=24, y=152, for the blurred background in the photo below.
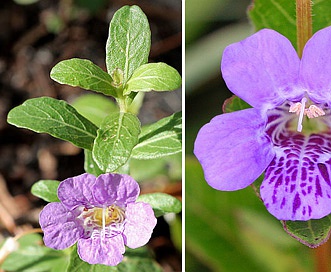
x=227, y=231
x=34, y=36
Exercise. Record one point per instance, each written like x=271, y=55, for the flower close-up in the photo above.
x=285, y=135
x=100, y=214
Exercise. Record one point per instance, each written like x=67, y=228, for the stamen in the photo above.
x=296, y=107
x=302, y=110
x=313, y=111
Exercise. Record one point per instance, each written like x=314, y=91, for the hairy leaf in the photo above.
x=55, y=117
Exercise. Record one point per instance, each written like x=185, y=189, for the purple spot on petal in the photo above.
x=324, y=172
x=288, y=164
x=283, y=203
x=292, y=188
x=278, y=171
x=294, y=175
x=303, y=173
x=296, y=203
x=274, y=198
x=318, y=187
x=279, y=181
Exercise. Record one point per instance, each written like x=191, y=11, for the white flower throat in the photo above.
x=300, y=109
x=103, y=219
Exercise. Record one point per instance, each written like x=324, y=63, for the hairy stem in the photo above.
x=304, y=23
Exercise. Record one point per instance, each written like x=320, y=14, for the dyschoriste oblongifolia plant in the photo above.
x=96, y=218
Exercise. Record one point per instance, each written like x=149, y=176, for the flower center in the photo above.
x=98, y=218
x=300, y=109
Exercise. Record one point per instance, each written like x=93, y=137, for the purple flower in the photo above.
x=286, y=133
x=101, y=214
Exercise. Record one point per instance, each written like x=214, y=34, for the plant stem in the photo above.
x=322, y=257
x=304, y=23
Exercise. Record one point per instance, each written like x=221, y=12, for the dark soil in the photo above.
x=31, y=43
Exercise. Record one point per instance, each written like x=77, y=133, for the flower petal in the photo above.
x=233, y=149
x=140, y=222
x=262, y=69
x=115, y=188
x=315, y=66
x=101, y=250
x=61, y=228
x=76, y=191
x=297, y=184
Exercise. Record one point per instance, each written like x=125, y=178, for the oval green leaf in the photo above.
x=85, y=74
x=129, y=41
x=55, y=117
x=160, y=139
x=46, y=190
x=117, y=136
x=312, y=233
x=161, y=203
x=153, y=76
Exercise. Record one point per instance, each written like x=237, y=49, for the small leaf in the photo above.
x=153, y=76
x=312, y=233
x=90, y=165
x=117, y=135
x=161, y=203
x=94, y=107
x=46, y=190
x=55, y=117
x=234, y=103
x=85, y=74
x=160, y=139
x=128, y=42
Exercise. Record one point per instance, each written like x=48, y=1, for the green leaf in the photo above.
x=161, y=203
x=46, y=189
x=85, y=74
x=55, y=117
x=90, y=165
x=94, y=107
x=234, y=103
x=137, y=260
x=312, y=233
x=321, y=14
x=280, y=16
x=128, y=42
x=160, y=139
x=117, y=135
x=153, y=76
x=31, y=256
